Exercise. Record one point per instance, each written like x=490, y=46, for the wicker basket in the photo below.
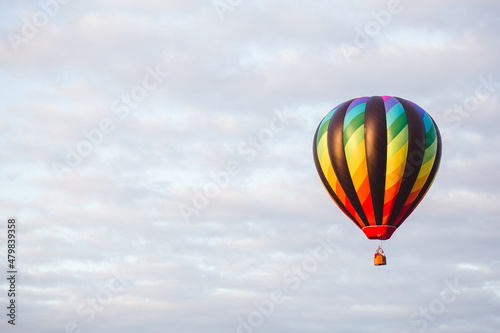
x=379, y=260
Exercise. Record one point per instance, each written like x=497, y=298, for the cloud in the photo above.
x=228, y=134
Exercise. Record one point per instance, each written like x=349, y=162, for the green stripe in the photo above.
x=394, y=113
x=354, y=113
x=324, y=124
x=323, y=129
x=354, y=141
x=430, y=144
x=397, y=126
x=353, y=126
x=398, y=142
x=430, y=152
x=430, y=136
x=320, y=148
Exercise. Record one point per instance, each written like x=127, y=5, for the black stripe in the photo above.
x=416, y=150
x=376, y=152
x=432, y=174
x=337, y=157
x=325, y=181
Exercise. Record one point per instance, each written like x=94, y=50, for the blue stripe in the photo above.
x=394, y=113
x=427, y=122
x=355, y=111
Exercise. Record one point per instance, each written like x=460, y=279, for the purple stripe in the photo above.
x=356, y=102
x=390, y=103
x=422, y=112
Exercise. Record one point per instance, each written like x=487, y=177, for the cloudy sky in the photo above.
x=158, y=158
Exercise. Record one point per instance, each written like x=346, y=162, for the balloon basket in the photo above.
x=379, y=260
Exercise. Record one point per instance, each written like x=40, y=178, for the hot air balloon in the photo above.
x=377, y=158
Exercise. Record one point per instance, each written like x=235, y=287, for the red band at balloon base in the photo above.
x=382, y=232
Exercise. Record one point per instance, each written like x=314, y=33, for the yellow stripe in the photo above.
x=324, y=161
x=432, y=181
x=359, y=175
x=357, y=157
x=327, y=168
x=392, y=179
x=322, y=145
x=332, y=179
x=396, y=166
x=426, y=168
x=422, y=176
x=399, y=158
x=353, y=144
x=357, y=165
x=394, y=144
x=419, y=183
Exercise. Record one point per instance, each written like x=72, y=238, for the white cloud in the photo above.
x=119, y=208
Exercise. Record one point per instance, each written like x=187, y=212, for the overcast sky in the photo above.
x=158, y=158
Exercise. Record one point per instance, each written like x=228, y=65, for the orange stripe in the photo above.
x=365, y=199
x=364, y=190
x=343, y=198
x=339, y=192
x=397, y=175
x=351, y=210
x=411, y=198
x=368, y=208
x=392, y=192
x=419, y=183
x=387, y=212
x=363, y=193
x=389, y=201
x=347, y=205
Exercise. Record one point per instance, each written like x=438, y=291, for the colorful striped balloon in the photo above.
x=377, y=157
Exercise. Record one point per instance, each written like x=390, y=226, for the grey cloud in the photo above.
x=119, y=207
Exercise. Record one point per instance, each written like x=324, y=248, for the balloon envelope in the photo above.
x=377, y=157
